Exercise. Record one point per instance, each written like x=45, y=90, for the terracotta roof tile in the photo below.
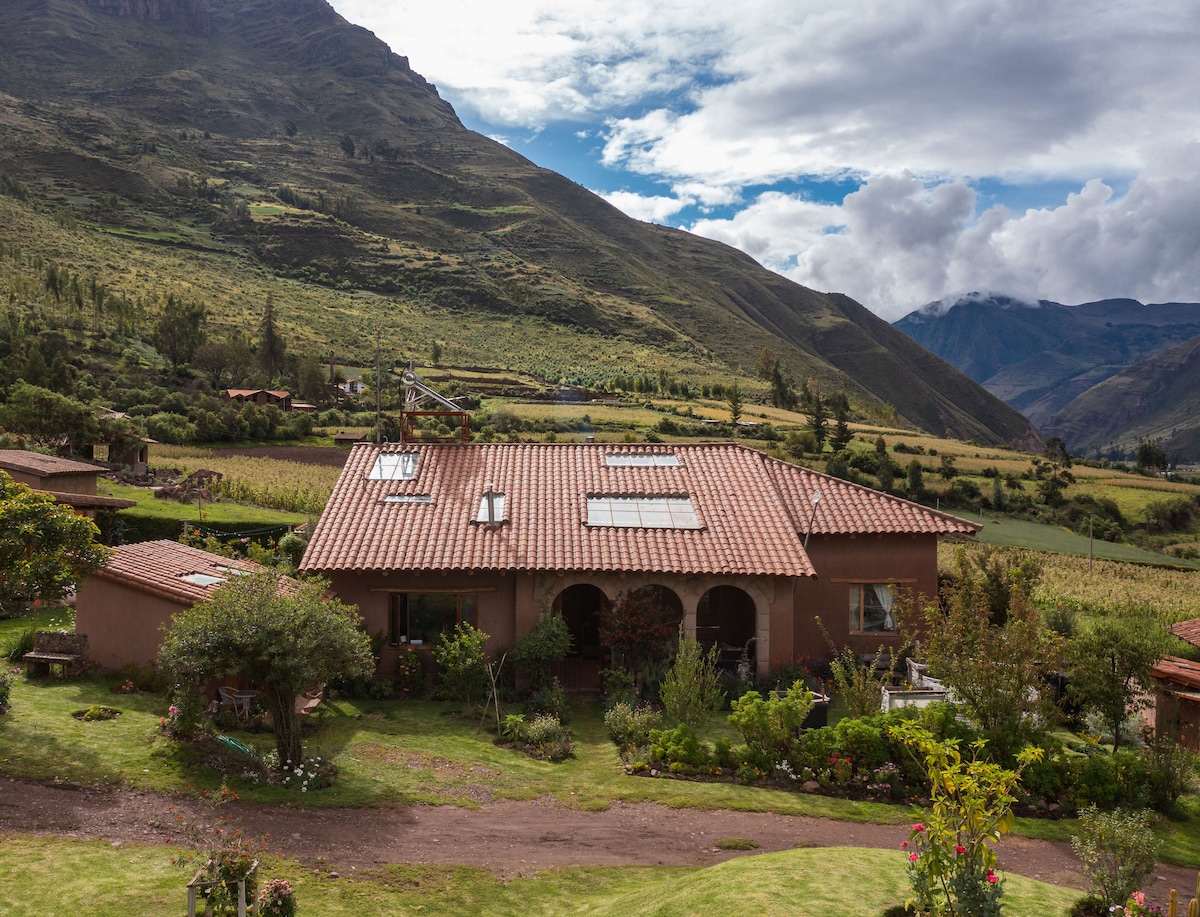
x=752, y=511
x=1188, y=630
x=1180, y=671
x=44, y=465
x=159, y=567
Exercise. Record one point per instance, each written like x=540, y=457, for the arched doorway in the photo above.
x=580, y=606
x=726, y=618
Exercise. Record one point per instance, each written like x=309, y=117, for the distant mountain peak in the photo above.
x=987, y=298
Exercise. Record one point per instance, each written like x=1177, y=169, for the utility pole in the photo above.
x=378, y=392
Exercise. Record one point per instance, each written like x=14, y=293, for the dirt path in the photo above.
x=511, y=838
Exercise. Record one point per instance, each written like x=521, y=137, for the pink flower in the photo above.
x=904, y=844
x=912, y=857
x=960, y=849
x=918, y=827
x=992, y=877
x=1139, y=899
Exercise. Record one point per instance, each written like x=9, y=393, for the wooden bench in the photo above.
x=55, y=648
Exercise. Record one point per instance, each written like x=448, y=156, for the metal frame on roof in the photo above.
x=416, y=392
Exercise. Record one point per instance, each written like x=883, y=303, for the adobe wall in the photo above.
x=123, y=625
x=909, y=561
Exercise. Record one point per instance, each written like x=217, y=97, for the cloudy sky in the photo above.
x=894, y=150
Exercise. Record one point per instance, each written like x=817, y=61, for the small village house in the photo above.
x=69, y=482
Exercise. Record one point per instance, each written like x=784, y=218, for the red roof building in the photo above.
x=66, y=480
x=423, y=537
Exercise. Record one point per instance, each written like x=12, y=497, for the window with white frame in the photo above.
x=872, y=608
x=421, y=617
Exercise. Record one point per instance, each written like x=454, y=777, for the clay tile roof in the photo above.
x=1174, y=669
x=160, y=568
x=44, y=465
x=1188, y=630
x=748, y=523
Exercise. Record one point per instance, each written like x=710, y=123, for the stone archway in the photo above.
x=726, y=617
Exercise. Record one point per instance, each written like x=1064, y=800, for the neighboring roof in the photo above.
x=752, y=511
x=44, y=465
x=244, y=392
x=1180, y=671
x=1188, y=630
x=159, y=568
x=89, y=501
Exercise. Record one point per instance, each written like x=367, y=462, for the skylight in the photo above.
x=408, y=498
x=394, y=466
x=202, y=579
x=641, y=460
x=497, y=509
x=642, y=512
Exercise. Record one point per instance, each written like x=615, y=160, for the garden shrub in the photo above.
x=547, y=738
x=771, y=726
x=691, y=691
x=679, y=746
x=461, y=665
x=277, y=899
x=1118, y=849
x=20, y=643
x=1171, y=769
x=410, y=674
x=630, y=727
x=863, y=741
x=547, y=643
x=620, y=686
x=5, y=690
x=551, y=701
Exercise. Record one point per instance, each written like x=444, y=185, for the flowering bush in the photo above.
x=313, y=773
x=951, y=863
x=225, y=854
x=410, y=680
x=1118, y=850
x=277, y=899
x=183, y=717
x=547, y=738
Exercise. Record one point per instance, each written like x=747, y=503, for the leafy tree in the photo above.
x=994, y=670
x=311, y=380
x=284, y=635
x=915, y=479
x=1110, y=665
x=783, y=393
x=841, y=430
x=1053, y=471
x=45, y=548
x=767, y=363
x=639, y=627
x=691, y=691
x=1119, y=851
x=733, y=397
x=946, y=468
x=47, y=417
x=179, y=331
x=223, y=362
x=347, y=145
x=270, y=343
x=547, y=643
x=462, y=665
x=818, y=421
x=1151, y=459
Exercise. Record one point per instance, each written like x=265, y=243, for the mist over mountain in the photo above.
x=244, y=148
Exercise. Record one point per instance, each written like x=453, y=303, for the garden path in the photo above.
x=511, y=838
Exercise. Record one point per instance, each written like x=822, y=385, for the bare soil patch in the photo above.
x=510, y=838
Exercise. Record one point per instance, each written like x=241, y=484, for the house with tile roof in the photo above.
x=1177, y=690
x=66, y=480
x=123, y=606
x=747, y=550
x=261, y=397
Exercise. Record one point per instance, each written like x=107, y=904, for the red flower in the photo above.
x=992, y=877
x=913, y=857
x=960, y=849
x=918, y=827
x=905, y=844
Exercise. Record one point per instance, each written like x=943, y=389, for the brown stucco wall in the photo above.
x=123, y=625
x=909, y=561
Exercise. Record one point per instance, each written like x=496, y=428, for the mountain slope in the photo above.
x=1157, y=399
x=1038, y=357
x=203, y=141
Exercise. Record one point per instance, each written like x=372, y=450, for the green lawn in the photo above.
x=221, y=512
x=1033, y=535
x=47, y=876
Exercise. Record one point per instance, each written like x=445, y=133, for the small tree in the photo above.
x=691, y=691
x=951, y=861
x=1118, y=849
x=45, y=549
x=1110, y=666
x=639, y=627
x=537, y=651
x=285, y=636
x=462, y=665
x=733, y=397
